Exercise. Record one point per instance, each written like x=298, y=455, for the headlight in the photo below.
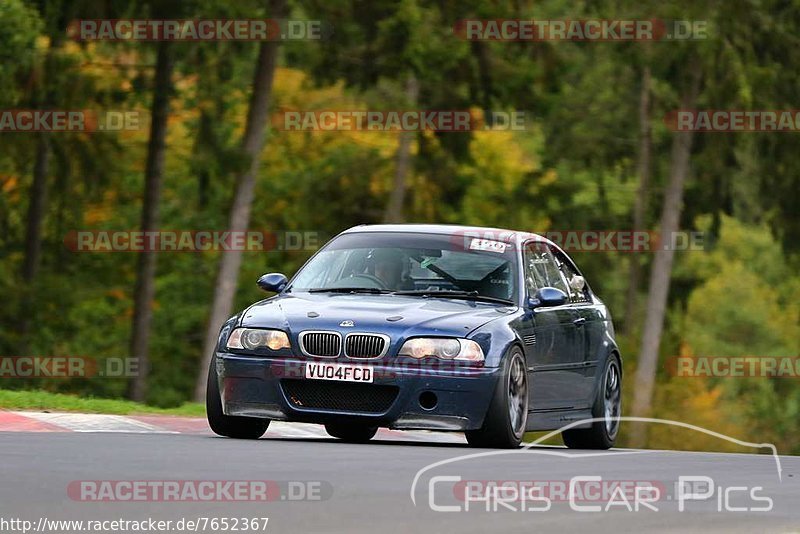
x=253, y=338
x=442, y=348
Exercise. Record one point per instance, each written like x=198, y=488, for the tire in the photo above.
x=351, y=433
x=608, y=405
x=504, y=424
x=228, y=425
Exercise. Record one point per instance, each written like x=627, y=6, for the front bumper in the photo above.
x=259, y=387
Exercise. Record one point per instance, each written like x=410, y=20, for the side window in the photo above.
x=541, y=269
x=576, y=293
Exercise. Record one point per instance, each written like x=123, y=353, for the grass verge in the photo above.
x=59, y=402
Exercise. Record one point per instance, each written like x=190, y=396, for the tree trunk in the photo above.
x=144, y=292
x=661, y=271
x=644, y=170
x=33, y=236
x=44, y=96
x=38, y=200
x=394, y=210
x=227, y=278
x=481, y=51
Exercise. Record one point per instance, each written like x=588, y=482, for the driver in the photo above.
x=387, y=265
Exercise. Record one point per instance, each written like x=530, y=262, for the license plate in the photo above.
x=339, y=371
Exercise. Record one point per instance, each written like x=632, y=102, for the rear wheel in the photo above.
x=507, y=416
x=351, y=433
x=608, y=406
x=228, y=425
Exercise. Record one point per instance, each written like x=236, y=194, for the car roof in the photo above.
x=515, y=236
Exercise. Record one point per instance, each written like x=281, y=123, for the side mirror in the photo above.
x=548, y=296
x=274, y=282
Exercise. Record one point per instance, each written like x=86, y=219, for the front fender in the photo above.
x=496, y=338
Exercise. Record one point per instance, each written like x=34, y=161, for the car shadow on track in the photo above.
x=385, y=442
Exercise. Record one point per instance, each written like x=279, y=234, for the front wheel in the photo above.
x=507, y=416
x=607, y=406
x=228, y=425
x=351, y=433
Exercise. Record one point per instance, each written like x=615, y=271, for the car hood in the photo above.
x=390, y=314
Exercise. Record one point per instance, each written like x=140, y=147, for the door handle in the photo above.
x=579, y=321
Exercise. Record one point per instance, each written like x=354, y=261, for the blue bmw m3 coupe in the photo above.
x=484, y=331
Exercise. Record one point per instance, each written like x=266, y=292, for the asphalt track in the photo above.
x=368, y=487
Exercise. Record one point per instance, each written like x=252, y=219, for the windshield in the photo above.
x=412, y=263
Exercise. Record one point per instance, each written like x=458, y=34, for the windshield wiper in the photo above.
x=371, y=290
x=449, y=293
